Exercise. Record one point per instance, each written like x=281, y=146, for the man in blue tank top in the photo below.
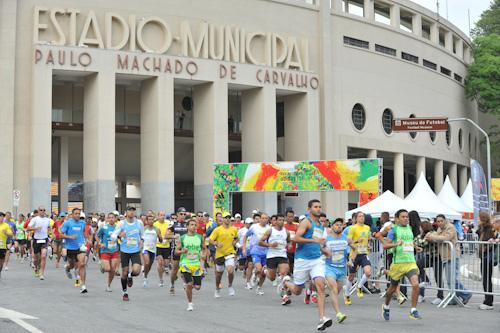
x=310, y=239
x=131, y=231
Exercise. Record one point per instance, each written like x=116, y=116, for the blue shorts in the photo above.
x=10, y=241
x=151, y=254
x=338, y=273
x=259, y=258
x=361, y=260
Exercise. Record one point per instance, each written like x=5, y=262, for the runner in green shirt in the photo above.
x=20, y=238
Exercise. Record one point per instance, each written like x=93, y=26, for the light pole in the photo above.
x=487, y=155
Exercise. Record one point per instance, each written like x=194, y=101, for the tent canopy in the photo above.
x=448, y=196
x=387, y=202
x=467, y=197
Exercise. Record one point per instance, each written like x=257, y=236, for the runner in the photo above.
x=163, y=250
x=178, y=228
x=190, y=248
x=131, y=231
x=58, y=242
x=238, y=223
x=276, y=239
x=258, y=253
x=403, y=262
x=201, y=229
x=292, y=228
x=110, y=251
x=73, y=232
x=359, y=233
x=310, y=238
x=10, y=240
x=211, y=227
x=40, y=226
x=245, y=264
x=20, y=238
x=335, y=269
x=5, y=233
x=152, y=235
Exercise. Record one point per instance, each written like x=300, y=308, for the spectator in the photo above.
x=485, y=253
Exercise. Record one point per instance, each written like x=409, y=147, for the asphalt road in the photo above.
x=59, y=307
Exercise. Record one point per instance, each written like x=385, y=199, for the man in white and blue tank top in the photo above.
x=276, y=240
x=310, y=239
x=337, y=245
x=131, y=232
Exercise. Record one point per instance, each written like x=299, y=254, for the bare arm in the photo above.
x=263, y=239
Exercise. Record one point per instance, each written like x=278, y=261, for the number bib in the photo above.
x=2, y=244
x=164, y=241
x=40, y=241
x=281, y=245
x=83, y=248
x=112, y=245
x=362, y=248
x=132, y=241
x=19, y=232
x=407, y=247
x=318, y=233
x=248, y=242
x=192, y=255
x=150, y=247
x=292, y=234
x=337, y=257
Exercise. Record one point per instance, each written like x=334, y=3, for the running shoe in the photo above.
x=231, y=291
x=117, y=273
x=42, y=277
x=125, y=297
x=414, y=315
x=68, y=273
x=360, y=292
x=190, y=307
x=401, y=299
x=160, y=284
x=324, y=323
x=220, y=285
x=22, y=261
x=307, y=297
x=101, y=269
x=172, y=291
x=381, y=271
x=385, y=313
x=130, y=282
x=483, y=306
x=341, y=317
x=314, y=298
x=259, y=291
x=84, y=290
x=77, y=283
x=6, y=268
x=51, y=256
x=248, y=286
x=145, y=283
x=281, y=287
x=421, y=299
x=36, y=273
x=244, y=273
x=347, y=300
x=253, y=280
x=286, y=300
x=108, y=289
x=217, y=293
x=57, y=265
x=275, y=283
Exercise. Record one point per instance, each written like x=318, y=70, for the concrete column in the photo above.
x=63, y=173
x=345, y=4
x=372, y=153
x=395, y=14
x=434, y=32
x=41, y=138
x=157, y=142
x=302, y=116
x=99, y=142
x=336, y=5
x=452, y=173
x=462, y=179
x=210, y=139
x=416, y=24
x=399, y=175
x=448, y=41
x=459, y=48
x=438, y=176
x=420, y=166
x=8, y=15
x=369, y=9
x=258, y=141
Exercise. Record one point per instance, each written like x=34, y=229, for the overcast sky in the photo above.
x=456, y=11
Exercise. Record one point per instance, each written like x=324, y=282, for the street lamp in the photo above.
x=487, y=156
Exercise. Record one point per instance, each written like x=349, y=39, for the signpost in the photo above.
x=420, y=124
x=16, y=196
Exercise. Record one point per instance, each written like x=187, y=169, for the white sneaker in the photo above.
x=483, y=306
x=160, y=284
x=190, y=307
x=217, y=293
x=68, y=273
x=437, y=301
x=275, y=283
x=421, y=299
x=145, y=283
x=259, y=291
x=424, y=284
x=248, y=286
x=324, y=323
x=108, y=289
x=281, y=286
x=253, y=280
x=6, y=268
x=231, y=291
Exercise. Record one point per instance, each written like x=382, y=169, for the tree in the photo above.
x=489, y=23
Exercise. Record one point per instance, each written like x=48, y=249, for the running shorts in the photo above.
x=305, y=267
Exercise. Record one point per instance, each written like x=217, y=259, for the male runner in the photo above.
x=152, y=235
x=276, y=239
x=5, y=233
x=224, y=239
x=403, y=262
x=10, y=241
x=73, y=231
x=163, y=250
x=292, y=228
x=335, y=269
x=40, y=225
x=359, y=233
x=310, y=239
x=178, y=228
x=20, y=238
x=57, y=242
x=190, y=248
x=201, y=229
x=257, y=252
x=131, y=231
x=238, y=223
x=211, y=227
x=245, y=264
x=110, y=251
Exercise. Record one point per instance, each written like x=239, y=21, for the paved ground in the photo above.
x=60, y=307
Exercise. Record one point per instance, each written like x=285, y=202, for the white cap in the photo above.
x=116, y=212
x=82, y=214
x=255, y=211
x=302, y=217
x=237, y=215
x=249, y=220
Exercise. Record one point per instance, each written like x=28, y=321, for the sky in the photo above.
x=456, y=11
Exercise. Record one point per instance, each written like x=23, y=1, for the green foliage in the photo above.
x=489, y=23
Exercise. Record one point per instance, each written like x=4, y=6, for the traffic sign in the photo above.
x=16, y=196
x=420, y=124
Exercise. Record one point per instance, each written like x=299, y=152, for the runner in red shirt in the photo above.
x=292, y=229
x=201, y=225
x=57, y=244
x=237, y=222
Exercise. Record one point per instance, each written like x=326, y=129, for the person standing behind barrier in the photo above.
x=486, y=255
x=431, y=259
x=446, y=233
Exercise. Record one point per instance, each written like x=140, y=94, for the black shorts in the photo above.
x=163, y=252
x=188, y=278
x=58, y=242
x=273, y=263
x=361, y=260
x=409, y=274
x=37, y=247
x=244, y=261
x=291, y=257
x=212, y=254
x=73, y=254
x=21, y=241
x=2, y=253
x=135, y=258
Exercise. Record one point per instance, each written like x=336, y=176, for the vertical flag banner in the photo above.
x=364, y=175
x=479, y=189
x=495, y=189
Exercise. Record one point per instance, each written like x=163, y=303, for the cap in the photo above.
x=255, y=211
x=130, y=208
x=167, y=216
x=82, y=214
x=63, y=214
x=301, y=217
x=2, y=214
x=249, y=220
x=237, y=215
x=226, y=214
x=116, y=213
x=232, y=218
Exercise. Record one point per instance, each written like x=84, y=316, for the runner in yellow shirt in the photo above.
x=163, y=250
x=5, y=233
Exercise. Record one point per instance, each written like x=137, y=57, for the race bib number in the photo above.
x=362, y=248
x=292, y=234
x=2, y=244
x=112, y=245
x=76, y=228
x=132, y=241
x=337, y=257
x=407, y=247
x=150, y=247
x=164, y=242
x=259, y=235
x=192, y=255
x=248, y=242
x=19, y=232
x=83, y=248
x=281, y=245
x=40, y=241
x=317, y=233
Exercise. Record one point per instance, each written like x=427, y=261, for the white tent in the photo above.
x=449, y=197
x=467, y=197
x=387, y=202
x=427, y=204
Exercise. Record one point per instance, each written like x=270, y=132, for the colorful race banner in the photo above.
x=495, y=189
x=364, y=175
x=479, y=189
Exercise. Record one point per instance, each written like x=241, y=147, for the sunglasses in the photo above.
x=181, y=213
x=41, y=210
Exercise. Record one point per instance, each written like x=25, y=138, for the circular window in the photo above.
x=448, y=136
x=387, y=121
x=358, y=117
x=413, y=135
x=432, y=136
x=460, y=141
x=187, y=103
